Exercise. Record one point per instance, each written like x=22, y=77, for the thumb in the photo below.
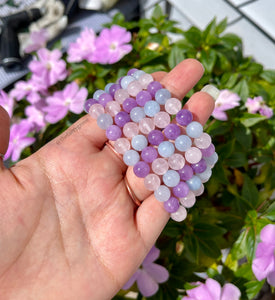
x=4, y=130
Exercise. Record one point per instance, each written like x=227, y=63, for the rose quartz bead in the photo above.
x=121, y=95
x=176, y=161
x=122, y=145
x=189, y=200
x=145, y=79
x=112, y=108
x=193, y=155
x=130, y=129
x=152, y=182
x=134, y=88
x=173, y=106
x=162, y=119
x=96, y=110
x=179, y=215
x=160, y=166
x=203, y=141
x=199, y=191
x=146, y=125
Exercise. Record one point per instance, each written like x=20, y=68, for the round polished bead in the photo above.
x=183, y=143
x=172, y=131
x=160, y=166
x=162, y=119
x=153, y=87
x=181, y=190
x=139, y=142
x=119, y=80
x=186, y=173
x=145, y=79
x=141, y=169
x=203, y=142
x=155, y=137
x=189, y=200
x=104, y=121
x=171, y=178
x=128, y=104
x=97, y=93
x=88, y=103
x=166, y=149
x=131, y=157
x=104, y=98
x=176, y=161
x=121, y=95
x=171, y=205
x=121, y=118
x=122, y=145
x=208, y=151
x=113, y=88
x=151, y=108
x=149, y=154
x=132, y=71
x=130, y=129
x=146, y=125
x=205, y=176
x=193, y=155
x=184, y=117
x=151, y=182
x=143, y=97
x=194, y=129
x=126, y=80
x=194, y=183
x=134, y=88
x=179, y=215
x=173, y=106
x=211, y=160
x=163, y=193
x=162, y=96
x=200, y=166
x=137, y=74
x=96, y=110
x=112, y=108
x=137, y=114
x=107, y=87
x=199, y=191
x=113, y=132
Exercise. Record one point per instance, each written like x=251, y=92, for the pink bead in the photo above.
x=173, y=106
x=162, y=119
x=160, y=166
x=193, y=155
x=96, y=110
x=203, y=141
x=122, y=145
x=199, y=191
x=179, y=215
x=134, y=88
x=176, y=161
x=189, y=200
x=121, y=95
x=112, y=108
x=146, y=125
x=151, y=182
x=130, y=129
x=145, y=79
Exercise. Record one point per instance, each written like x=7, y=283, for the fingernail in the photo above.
x=211, y=90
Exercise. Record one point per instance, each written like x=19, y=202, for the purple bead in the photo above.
x=142, y=97
x=200, y=166
x=141, y=169
x=119, y=80
x=153, y=87
x=208, y=151
x=88, y=104
x=149, y=154
x=171, y=205
x=186, y=172
x=122, y=118
x=184, y=117
x=181, y=190
x=113, y=132
x=155, y=137
x=128, y=104
x=104, y=99
x=113, y=88
x=132, y=71
x=172, y=131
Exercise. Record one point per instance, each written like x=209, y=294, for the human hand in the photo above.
x=68, y=227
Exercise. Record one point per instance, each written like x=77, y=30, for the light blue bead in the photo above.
x=171, y=178
x=139, y=142
x=166, y=149
x=97, y=93
x=205, y=176
x=183, y=143
x=163, y=193
x=125, y=81
x=131, y=157
x=194, y=129
x=137, y=74
x=211, y=160
x=107, y=87
x=137, y=114
x=151, y=108
x=104, y=121
x=162, y=96
x=194, y=183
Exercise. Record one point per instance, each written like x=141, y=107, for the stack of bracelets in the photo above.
x=174, y=158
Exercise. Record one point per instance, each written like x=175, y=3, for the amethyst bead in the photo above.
x=141, y=169
x=122, y=118
x=149, y=154
x=113, y=132
x=104, y=98
x=128, y=104
x=171, y=205
x=155, y=137
x=172, y=131
x=208, y=151
x=88, y=104
x=200, y=166
x=186, y=172
x=132, y=71
x=184, y=117
x=113, y=88
x=181, y=190
x=153, y=87
x=142, y=97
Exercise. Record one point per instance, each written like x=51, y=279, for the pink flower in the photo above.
x=38, y=40
x=266, y=111
x=70, y=99
x=211, y=290
x=149, y=276
x=6, y=102
x=36, y=115
x=263, y=265
x=226, y=100
x=112, y=45
x=258, y=105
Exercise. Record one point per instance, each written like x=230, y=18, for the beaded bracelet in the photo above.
x=174, y=158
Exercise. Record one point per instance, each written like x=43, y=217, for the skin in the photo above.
x=68, y=228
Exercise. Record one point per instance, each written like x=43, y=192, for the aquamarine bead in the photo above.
x=97, y=93
x=137, y=74
x=104, y=121
x=163, y=193
x=211, y=160
x=183, y=143
x=131, y=157
x=205, y=176
x=194, y=129
x=171, y=178
x=166, y=149
x=107, y=87
x=137, y=114
x=139, y=142
x=162, y=96
x=151, y=108
x=194, y=183
x=125, y=81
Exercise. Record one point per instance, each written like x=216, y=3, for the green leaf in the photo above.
x=238, y=250
x=207, y=231
x=221, y=26
x=208, y=59
x=236, y=160
x=147, y=55
x=270, y=212
x=242, y=89
x=191, y=247
x=231, y=40
x=157, y=13
x=209, y=248
x=250, y=191
x=249, y=120
x=228, y=80
x=253, y=288
x=243, y=136
x=209, y=34
x=194, y=36
x=253, y=69
x=175, y=56
x=269, y=76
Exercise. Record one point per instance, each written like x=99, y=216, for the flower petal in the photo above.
x=151, y=256
x=146, y=284
x=158, y=272
x=230, y=292
x=214, y=288
x=131, y=281
x=268, y=234
x=200, y=292
x=271, y=278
